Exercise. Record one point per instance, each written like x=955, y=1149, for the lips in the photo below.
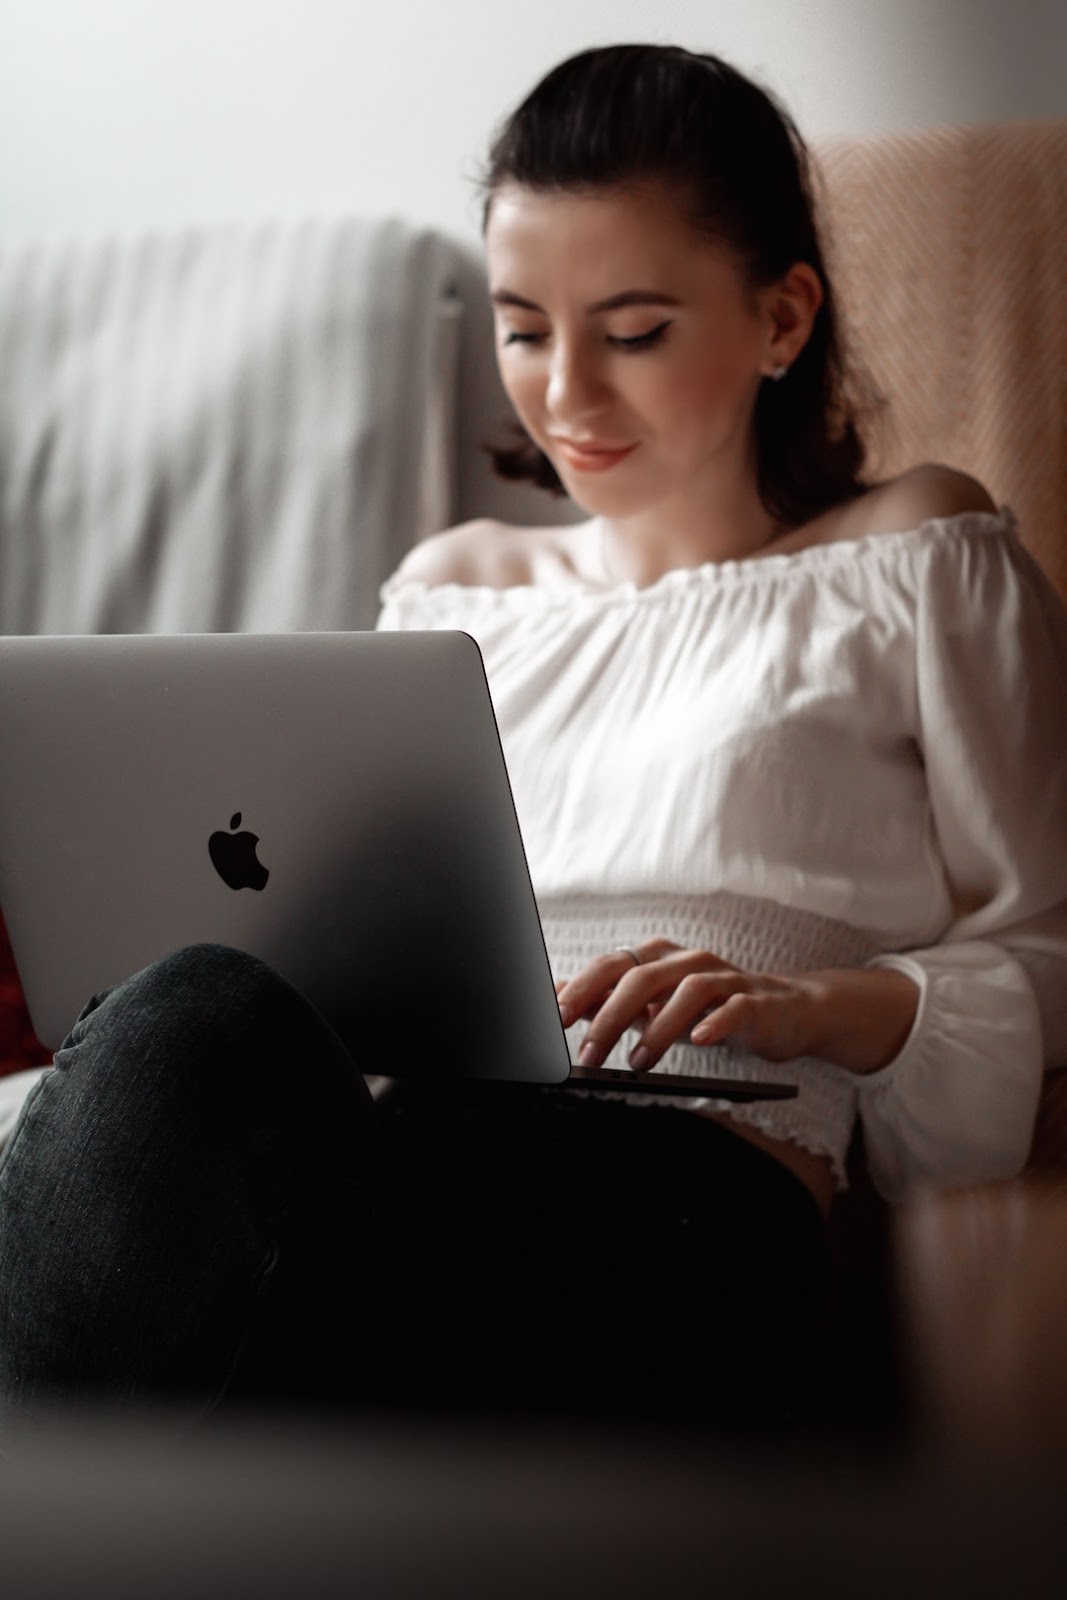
x=593, y=457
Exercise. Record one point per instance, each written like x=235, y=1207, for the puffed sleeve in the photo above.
x=403, y=604
x=957, y=1104
x=390, y=607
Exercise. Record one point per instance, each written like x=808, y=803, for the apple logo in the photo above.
x=234, y=858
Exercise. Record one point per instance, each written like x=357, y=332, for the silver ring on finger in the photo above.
x=624, y=950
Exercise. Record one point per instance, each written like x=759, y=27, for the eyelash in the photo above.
x=641, y=341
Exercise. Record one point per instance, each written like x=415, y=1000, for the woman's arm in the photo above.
x=948, y=1041
x=861, y=1017
x=858, y=1018
x=957, y=1105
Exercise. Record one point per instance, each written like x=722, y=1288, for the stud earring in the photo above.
x=778, y=373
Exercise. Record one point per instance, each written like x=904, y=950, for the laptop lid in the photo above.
x=336, y=803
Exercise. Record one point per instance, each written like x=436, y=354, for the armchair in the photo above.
x=198, y=432
x=948, y=246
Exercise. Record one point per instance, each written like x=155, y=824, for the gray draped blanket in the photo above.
x=232, y=429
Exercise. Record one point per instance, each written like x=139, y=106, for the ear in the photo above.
x=790, y=308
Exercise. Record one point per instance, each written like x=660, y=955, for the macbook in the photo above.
x=335, y=803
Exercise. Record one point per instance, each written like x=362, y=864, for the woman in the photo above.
x=765, y=761
x=739, y=724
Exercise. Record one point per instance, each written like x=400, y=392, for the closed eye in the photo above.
x=642, y=341
x=639, y=341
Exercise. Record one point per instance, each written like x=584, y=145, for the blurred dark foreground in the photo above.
x=98, y=1505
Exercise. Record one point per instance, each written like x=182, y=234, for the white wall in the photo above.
x=122, y=114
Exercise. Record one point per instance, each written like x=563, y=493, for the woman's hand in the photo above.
x=857, y=1018
x=670, y=993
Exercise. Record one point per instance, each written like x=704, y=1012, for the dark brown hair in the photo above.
x=658, y=113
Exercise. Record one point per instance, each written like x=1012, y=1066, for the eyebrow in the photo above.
x=629, y=297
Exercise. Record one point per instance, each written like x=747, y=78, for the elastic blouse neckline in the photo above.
x=744, y=570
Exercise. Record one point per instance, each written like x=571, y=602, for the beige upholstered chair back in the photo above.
x=949, y=248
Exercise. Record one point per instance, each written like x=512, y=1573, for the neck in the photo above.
x=641, y=547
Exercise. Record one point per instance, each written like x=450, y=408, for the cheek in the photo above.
x=523, y=384
x=713, y=379
x=702, y=391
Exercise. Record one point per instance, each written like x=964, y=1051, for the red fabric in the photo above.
x=19, y=1045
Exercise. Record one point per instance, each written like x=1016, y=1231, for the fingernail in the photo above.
x=639, y=1058
x=565, y=1014
x=590, y=1055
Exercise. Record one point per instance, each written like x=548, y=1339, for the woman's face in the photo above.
x=621, y=328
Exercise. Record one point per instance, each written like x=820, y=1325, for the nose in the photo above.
x=576, y=387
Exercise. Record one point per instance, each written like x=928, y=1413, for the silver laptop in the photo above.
x=335, y=803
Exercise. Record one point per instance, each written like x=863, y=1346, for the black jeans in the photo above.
x=203, y=1203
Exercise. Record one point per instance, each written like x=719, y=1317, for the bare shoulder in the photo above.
x=895, y=506
x=480, y=552
x=926, y=491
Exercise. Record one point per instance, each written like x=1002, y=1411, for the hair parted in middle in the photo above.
x=628, y=114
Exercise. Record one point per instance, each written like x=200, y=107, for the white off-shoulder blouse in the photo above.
x=851, y=755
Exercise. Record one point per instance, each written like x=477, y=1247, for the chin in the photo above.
x=601, y=499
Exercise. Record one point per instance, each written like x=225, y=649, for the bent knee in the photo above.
x=197, y=1002
x=209, y=1035
x=220, y=970
x=199, y=983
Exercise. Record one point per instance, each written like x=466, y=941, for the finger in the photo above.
x=771, y=1024
x=628, y=1006
x=724, y=1021
x=562, y=985
x=582, y=995
x=687, y=1009
x=721, y=1021
x=585, y=993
